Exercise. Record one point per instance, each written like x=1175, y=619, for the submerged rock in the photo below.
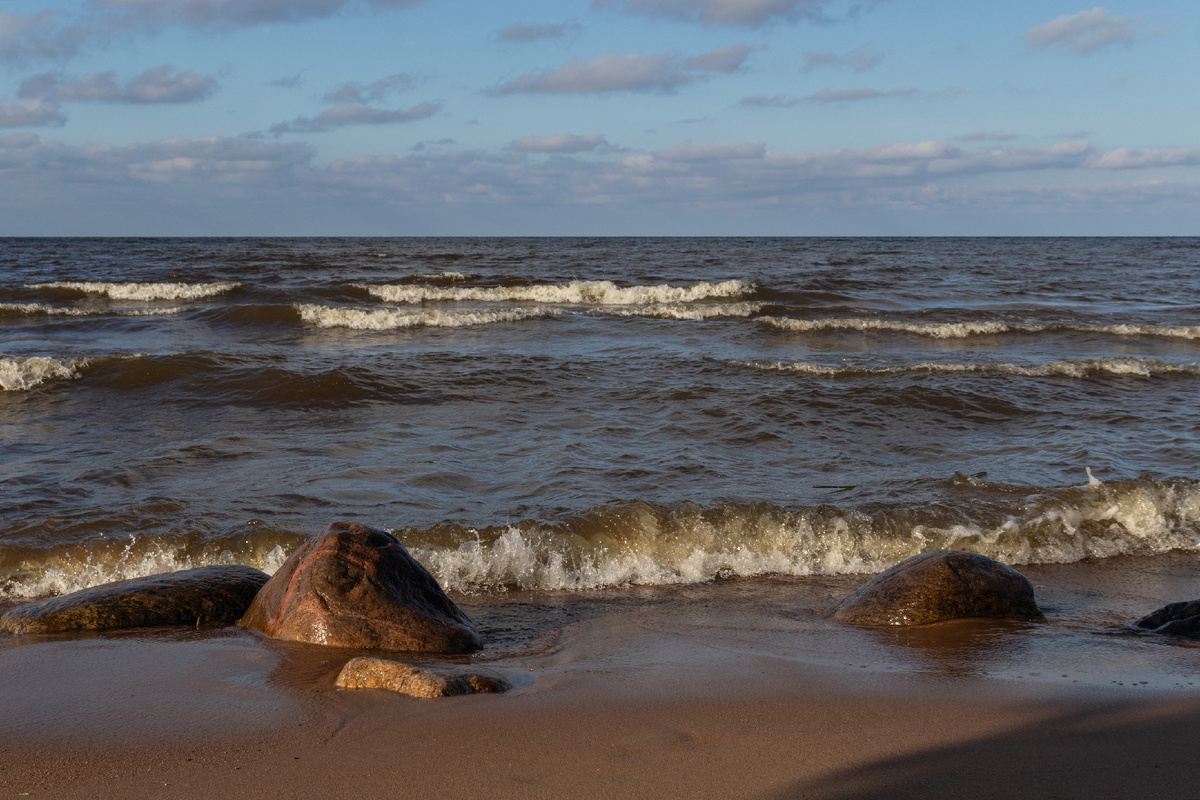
x=217, y=595
x=1176, y=619
x=379, y=673
x=940, y=585
x=354, y=586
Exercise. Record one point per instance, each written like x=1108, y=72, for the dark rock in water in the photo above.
x=1177, y=619
x=940, y=585
x=216, y=595
x=378, y=673
x=354, y=586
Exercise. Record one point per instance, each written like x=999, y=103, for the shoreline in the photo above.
x=732, y=689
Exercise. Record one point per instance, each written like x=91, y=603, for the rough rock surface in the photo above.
x=940, y=585
x=354, y=586
x=216, y=595
x=379, y=673
x=1176, y=619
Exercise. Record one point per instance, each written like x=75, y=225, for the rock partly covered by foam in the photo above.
x=216, y=595
x=354, y=586
x=1176, y=619
x=395, y=676
x=940, y=585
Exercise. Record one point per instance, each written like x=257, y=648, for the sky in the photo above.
x=599, y=117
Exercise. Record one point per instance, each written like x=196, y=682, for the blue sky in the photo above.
x=610, y=117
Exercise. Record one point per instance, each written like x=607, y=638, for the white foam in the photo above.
x=42, y=309
x=454, y=277
x=22, y=374
x=684, y=311
x=373, y=319
x=575, y=293
x=963, y=330
x=142, y=291
x=1123, y=366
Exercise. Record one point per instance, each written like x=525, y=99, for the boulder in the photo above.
x=216, y=595
x=940, y=585
x=379, y=673
x=1176, y=619
x=354, y=586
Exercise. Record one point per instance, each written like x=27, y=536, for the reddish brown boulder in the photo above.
x=354, y=586
x=940, y=585
x=395, y=676
x=217, y=595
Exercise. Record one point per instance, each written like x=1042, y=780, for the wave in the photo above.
x=683, y=311
x=574, y=293
x=1085, y=368
x=640, y=543
x=392, y=319
x=963, y=330
x=141, y=291
x=42, y=309
x=22, y=374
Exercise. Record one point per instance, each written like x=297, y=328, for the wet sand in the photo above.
x=732, y=689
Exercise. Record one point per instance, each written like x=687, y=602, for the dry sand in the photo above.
x=735, y=689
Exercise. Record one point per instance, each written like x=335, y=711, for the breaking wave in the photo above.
x=22, y=374
x=684, y=311
x=141, y=291
x=575, y=293
x=963, y=330
x=42, y=309
x=1084, y=368
x=387, y=319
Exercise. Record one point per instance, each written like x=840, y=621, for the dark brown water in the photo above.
x=586, y=413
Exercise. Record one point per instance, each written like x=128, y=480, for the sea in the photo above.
x=595, y=414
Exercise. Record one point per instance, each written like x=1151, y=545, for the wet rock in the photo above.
x=940, y=585
x=354, y=586
x=217, y=595
x=379, y=673
x=1176, y=619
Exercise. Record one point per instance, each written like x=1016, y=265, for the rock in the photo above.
x=216, y=595
x=354, y=586
x=1176, y=619
x=940, y=585
x=379, y=673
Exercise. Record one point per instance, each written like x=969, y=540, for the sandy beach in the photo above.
x=732, y=689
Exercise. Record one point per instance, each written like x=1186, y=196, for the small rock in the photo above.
x=378, y=673
x=354, y=586
x=940, y=585
x=1176, y=619
x=217, y=595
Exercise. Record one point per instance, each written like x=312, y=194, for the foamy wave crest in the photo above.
x=137, y=559
x=964, y=330
x=604, y=293
x=641, y=544
x=1086, y=368
x=392, y=319
x=142, y=291
x=22, y=374
x=684, y=311
x=41, y=309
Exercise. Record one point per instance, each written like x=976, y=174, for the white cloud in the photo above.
x=44, y=35
x=532, y=33
x=860, y=59
x=1083, y=32
x=158, y=85
x=230, y=13
x=30, y=113
x=627, y=72
x=558, y=143
x=718, y=12
x=342, y=115
x=373, y=92
x=824, y=96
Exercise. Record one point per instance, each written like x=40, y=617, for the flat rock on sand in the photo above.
x=380, y=673
x=217, y=595
x=354, y=586
x=940, y=585
x=1176, y=619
